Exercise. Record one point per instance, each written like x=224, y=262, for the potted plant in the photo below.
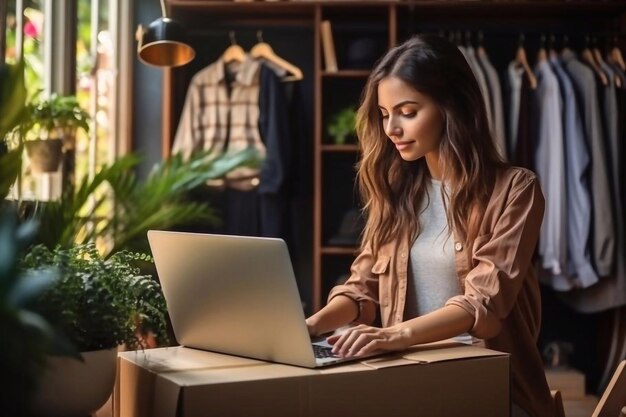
x=342, y=125
x=96, y=305
x=51, y=128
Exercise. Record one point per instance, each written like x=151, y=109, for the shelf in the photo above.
x=339, y=250
x=347, y=74
x=340, y=148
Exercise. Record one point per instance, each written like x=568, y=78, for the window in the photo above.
x=90, y=69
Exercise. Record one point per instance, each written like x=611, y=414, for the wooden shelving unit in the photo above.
x=329, y=262
x=391, y=21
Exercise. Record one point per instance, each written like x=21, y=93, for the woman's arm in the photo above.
x=444, y=323
x=340, y=311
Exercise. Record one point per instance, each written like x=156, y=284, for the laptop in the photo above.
x=236, y=295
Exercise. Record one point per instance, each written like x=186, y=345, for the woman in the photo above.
x=451, y=229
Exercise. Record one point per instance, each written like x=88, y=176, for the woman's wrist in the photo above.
x=404, y=332
x=311, y=324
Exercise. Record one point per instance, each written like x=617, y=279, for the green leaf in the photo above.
x=30, y=286
x=12, y=97
x=10, y=166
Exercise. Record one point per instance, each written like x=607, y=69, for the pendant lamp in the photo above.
x=164, y=43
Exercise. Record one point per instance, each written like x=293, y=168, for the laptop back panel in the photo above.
x=232, y=294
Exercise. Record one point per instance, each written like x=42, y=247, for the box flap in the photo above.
x=431, y=353
x=179, y=358
x=446, y=352
x=252, y=372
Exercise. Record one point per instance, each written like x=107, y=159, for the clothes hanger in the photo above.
x=598, y=57
x=234, y=53
x=552, y=53
x=615, y=55
x=588, y=57
x=265, y=51
x=542, y=52
x=520, y=58
x=468, y=39
x=451, y=37
x=480, y=49
x=458, y=38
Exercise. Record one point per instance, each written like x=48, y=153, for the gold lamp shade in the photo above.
x=164, y=44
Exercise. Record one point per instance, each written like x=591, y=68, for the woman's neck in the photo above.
x=432, y=161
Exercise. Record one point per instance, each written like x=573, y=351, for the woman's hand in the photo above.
x=362, y=340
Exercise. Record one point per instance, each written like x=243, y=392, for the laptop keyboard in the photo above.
x=322, y=352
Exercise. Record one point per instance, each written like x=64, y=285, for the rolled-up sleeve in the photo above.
x=361, y=287
x=502, y=260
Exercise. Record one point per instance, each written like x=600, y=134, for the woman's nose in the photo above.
x=392, y=129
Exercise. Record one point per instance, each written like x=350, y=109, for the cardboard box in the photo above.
x=438, y=380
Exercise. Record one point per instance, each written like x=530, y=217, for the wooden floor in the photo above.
x=580, y=407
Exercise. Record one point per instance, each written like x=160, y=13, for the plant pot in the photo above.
x=44, y=155
x=71, y=388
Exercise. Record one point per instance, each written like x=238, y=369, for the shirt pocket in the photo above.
x=381, y=266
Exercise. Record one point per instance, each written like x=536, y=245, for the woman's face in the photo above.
x=411, y=120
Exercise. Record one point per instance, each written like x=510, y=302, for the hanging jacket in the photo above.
x=222, y=117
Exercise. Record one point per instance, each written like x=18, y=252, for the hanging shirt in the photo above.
x=603, y=239
x=495, y=94
x=609, y=118
x=222, y=117
x=610, y=291
x=580, y=273
x=470, y=57
x=514, y=74
x=550, y=167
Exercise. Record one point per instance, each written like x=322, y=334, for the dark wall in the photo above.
x=147, y=97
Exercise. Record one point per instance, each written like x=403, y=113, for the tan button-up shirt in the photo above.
x=497, y=280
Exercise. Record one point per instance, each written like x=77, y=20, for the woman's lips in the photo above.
x=403, y=145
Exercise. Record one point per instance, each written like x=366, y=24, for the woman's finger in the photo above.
x=363, y=340
x=372, y=346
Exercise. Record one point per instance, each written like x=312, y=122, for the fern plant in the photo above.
x=97, y=303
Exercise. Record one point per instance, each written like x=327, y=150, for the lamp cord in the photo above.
x=163, y=10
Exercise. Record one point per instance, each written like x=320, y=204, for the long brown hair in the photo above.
x=391, y=188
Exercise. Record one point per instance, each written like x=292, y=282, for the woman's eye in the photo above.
x=409, y=114
x=384, y=116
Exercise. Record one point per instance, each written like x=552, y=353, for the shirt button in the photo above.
x=458, y=246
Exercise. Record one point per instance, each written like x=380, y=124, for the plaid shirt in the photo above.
x=223, y=124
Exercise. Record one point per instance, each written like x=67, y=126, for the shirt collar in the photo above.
x=245, y=74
